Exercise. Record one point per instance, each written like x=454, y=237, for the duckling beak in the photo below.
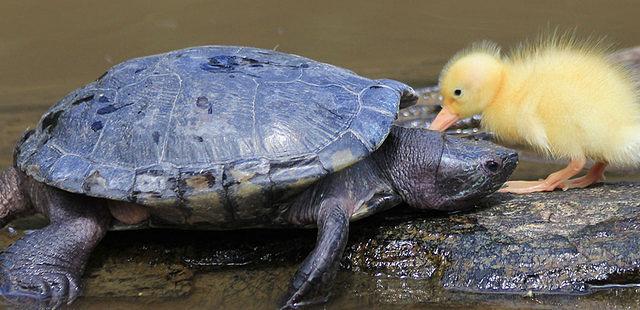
x=444, y=120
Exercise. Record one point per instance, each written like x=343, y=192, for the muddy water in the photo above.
x=48, y=48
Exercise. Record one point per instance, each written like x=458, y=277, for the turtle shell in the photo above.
x=209, y=125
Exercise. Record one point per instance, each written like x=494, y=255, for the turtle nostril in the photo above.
x=511, y=160
x=492, y=165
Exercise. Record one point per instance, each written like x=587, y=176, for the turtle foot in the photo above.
x=43, y=269
x=312, y=282
x=38, y=285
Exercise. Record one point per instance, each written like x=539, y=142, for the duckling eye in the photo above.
x=457, y=92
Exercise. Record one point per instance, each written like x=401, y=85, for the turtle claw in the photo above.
x=48, y=289
x=65, y=291
x=297, y=301
x=43, y=268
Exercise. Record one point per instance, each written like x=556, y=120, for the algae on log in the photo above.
x=559, y=242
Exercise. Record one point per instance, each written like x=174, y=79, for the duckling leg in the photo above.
x=596, y=174
x=553, y=181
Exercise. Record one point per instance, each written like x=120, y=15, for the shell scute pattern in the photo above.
x=230, y=123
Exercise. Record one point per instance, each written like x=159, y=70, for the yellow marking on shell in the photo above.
x=198, y=182
x=342, y=159
x=206, y=208
x=247, y=189
x=157, y=202
x=241, y=176
x=208, y=200
x=303, y=182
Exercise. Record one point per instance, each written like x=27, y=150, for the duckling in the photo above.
x=564, y=98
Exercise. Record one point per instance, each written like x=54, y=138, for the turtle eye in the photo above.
x=457, y=92
x=492, y=165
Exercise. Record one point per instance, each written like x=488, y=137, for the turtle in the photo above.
x=224, y=138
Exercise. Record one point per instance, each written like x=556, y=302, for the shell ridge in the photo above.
x=256, y=141
x=173, y=107
x=327, y=85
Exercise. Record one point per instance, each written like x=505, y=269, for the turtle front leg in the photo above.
x=44, y=267
x=312, y=282
x=13, y=202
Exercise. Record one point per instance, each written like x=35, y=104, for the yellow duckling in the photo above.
x=564, y=98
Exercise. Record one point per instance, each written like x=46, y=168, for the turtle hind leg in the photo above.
x=312, y=281
x=13, y=202
x=44, y=267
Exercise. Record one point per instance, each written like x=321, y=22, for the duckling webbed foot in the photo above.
x=555, y=180
x=526, y=187
x=595, y=175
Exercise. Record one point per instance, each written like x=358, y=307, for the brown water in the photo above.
x=48, y=48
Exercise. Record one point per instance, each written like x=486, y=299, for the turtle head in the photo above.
x=433, y=171
x=469, y=170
